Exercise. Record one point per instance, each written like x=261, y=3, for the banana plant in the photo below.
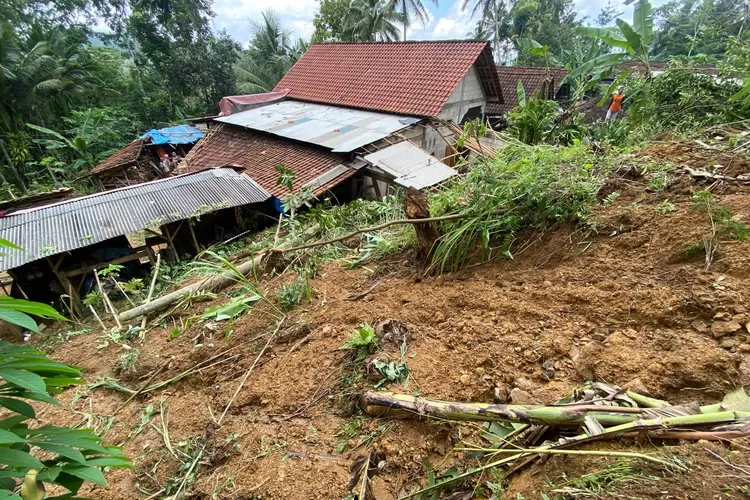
x=630, y=42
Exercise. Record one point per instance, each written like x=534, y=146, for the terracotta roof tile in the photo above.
x=412, y=78
x=121, y=157
x=532, y=79
x=258, y=155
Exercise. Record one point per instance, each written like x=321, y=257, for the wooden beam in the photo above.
x=140, y=252
x=75, y=299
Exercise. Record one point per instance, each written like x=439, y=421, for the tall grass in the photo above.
x=522, y=187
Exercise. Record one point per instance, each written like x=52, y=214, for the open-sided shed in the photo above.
x=63, y=243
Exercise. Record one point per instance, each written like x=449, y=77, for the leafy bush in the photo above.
x=533, y=121
x=522, y=187
x=681, y=98
x=291, y=294
x=363, y=340
x=537, y=120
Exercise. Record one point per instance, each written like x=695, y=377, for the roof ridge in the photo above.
x=403, y=42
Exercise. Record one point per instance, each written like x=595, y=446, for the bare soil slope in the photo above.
x=619, y=300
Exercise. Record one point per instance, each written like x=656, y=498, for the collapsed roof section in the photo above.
x=258, y=155
x=61, y=227
x=410, y=165
x=409, y=78
x=130, y=153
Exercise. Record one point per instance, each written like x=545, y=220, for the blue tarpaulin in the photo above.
x=179, y=134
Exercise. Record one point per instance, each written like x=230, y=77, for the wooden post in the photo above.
x=170, y=243
x=76, y=306
x=192, y=236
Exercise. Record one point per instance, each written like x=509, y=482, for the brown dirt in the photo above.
x=714, y=155
x=616, y=300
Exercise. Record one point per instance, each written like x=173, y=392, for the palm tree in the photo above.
x=38, y=74
x=414, y=10
x=479, y=6
x=272, y=52
x=481, y=32
x=497, y=24
x=372, y=21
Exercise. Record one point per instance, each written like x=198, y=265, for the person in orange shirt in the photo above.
x=615, y=105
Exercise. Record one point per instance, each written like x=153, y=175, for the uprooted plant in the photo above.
x=512, y=433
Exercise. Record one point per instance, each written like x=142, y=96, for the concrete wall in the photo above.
x=468, y=94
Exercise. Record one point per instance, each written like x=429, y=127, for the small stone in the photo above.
x=637, y=385
x=326, y=330
x=723, y=316
x=465, y=379
x=721, y=328
x=525, y=384
x=729, y=343
x=521, y=397
x=745, y=370
x=600, y=337
x=700, y=326
x=502, y=393
x=561, y=344
x=479, y=371
x=743, y=348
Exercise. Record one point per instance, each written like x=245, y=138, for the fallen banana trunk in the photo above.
x=382, y=404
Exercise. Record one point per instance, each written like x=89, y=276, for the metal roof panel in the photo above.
x=410, y=165
x=80, y=222
x=320, y=124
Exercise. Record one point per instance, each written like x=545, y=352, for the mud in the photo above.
x=617, y=299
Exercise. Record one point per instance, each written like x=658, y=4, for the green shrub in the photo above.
x=291, y=294
x=522, y=187
x=363, y=340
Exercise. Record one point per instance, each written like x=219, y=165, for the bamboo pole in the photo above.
x=382, y=404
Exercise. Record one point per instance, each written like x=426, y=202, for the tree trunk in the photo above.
x=13, y=167
x=415, y=207
x=404, y=2
x=213, y=283
x=382, y=404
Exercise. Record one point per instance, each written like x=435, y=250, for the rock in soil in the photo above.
x=521, y=397
x=721, y=328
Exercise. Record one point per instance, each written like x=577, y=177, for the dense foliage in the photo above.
x=517, y=189
x=58, y=455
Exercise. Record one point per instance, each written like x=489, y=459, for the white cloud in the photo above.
x=456, y=24
x=235, y=16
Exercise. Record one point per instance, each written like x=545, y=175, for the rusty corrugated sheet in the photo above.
x=79, y=222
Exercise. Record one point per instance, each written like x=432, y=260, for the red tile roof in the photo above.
x=258, y=155
x=411, y=78
x=532, y=80
x=122, y=157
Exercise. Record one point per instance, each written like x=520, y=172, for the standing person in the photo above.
x=165, y=163
x=615, y=105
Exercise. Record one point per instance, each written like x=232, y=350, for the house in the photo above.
x=61, y=244
x=430, y=80
x=545, y=82
x=138, y=161
x=357, y=117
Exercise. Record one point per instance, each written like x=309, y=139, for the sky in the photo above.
x=446, y=21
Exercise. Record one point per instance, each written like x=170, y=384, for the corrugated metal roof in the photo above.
x=410, y=165
x=80, y=222
x=339, y=129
